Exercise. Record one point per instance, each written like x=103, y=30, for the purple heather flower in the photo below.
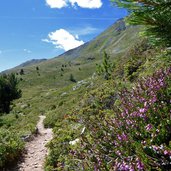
x=131, y=168
x=148, y=127
x=124, y=167
x=119, y=137
x=118, y=153
x=142, y=110
x=140, y=165
x=124, y=137
x=155, y=148
x=154, y=99
x=166, y=152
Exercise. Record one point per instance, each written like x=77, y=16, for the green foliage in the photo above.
x=8, y=91
x=71, y=78
x=37, y=68
x=60, y=147
x=131, y=68
x=154, y=15
x=94, y=112
x=134, y=134
x=11, y=147
x=22, y=72
x=106, y=67
x=139, y=54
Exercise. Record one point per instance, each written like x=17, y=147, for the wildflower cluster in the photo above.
x=134, y=135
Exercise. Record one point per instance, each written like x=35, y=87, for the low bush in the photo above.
x=11, y=147
x=135, y=134
x=128, y=129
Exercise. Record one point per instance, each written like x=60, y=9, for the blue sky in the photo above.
x=36, y=29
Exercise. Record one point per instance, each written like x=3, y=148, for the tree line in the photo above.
x=8, y=91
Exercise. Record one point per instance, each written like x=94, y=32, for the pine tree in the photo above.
x=72, y=78
x=106, y=67
x=8, y=91
x=37, y=68
x=155, y=15
x=21, y=72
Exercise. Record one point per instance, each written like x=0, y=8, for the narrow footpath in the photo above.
x=36, y=150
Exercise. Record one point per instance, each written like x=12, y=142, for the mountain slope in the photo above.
x=50, y=88
x=115, y=40
x=31, y=62
x=50, y=91
x=81, y=61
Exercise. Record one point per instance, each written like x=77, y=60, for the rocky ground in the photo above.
x=35, y=150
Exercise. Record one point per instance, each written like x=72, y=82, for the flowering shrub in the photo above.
x=132, y=133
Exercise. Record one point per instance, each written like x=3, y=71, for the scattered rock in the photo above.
x=74, y=141
x=64, y=93
x=26, y=138
x=79, y=84
x=93, y=76
x=24, y=106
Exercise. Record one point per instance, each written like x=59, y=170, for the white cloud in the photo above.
x=87, y=3
x=46, y=40
x=63, y=39
x=81, y=3
x=56, y=3
x=27, y=51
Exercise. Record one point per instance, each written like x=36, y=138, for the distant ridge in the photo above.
x=115, y=40
x=25, y=64
x=31, y=62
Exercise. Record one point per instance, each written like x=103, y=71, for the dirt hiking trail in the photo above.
x=35, y=150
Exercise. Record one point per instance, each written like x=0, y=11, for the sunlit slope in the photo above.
x=81, y=61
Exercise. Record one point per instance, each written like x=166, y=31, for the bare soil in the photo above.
x=36, y=151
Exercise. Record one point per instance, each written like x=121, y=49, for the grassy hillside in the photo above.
x=116, y=41
x=39, y=80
